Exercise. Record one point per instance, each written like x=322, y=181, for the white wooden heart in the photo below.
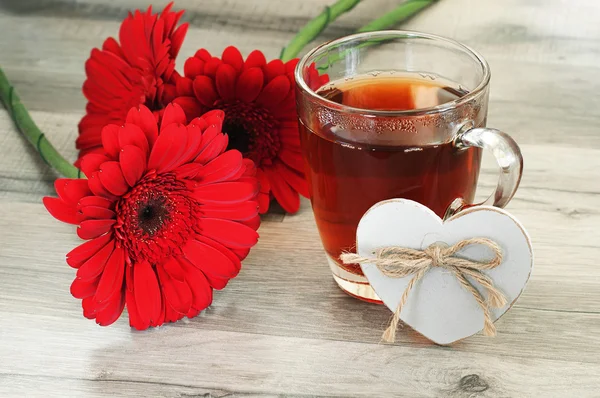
x=438, y=307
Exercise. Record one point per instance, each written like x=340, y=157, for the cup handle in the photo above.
x=509, y=159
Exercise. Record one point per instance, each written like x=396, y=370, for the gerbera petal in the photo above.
x=188, y=170
x=71, y=190
x=203, y=54
x=89, y=134
x=112, y=311
x=133, y=163
x=112, y=277
x=135, y=320
x=221, y=143
x=190, y=105
x=253, y=223
x=229, y=233
x=169, y=147
x=290, y=65
x=255, y=58
x=274, y=92
x=274, y=69
x=174, y=270
x=249, y=167
x=96, y=212
x=184, y=87
x=103, y=68
x=91, y=163
x=212, y=148
x=95, y=201
x=211, y=66
x=293, y=178
x=95, y=265
x=193, y=67
x=131, y=134
x=228, y=252
x=173, y=114
x=108, y=76
x=110, y=140
x=240, y=212
x=204, y=89
x=201, y=289
x=194, y=142
x=225, y=192
x=263, y=198
x=81, y=289
x=223, y=167
x=167, y=93
x=177, y=39
x=192, y=313
x=112, y=178
x=283, y=192
x=90, y=229
x=83, y=252
x=147, y=292
x=111, y=45
x=241, y=172
x=170, y=314
x=249, y=84
x=177, y=293
x=263, y=182
x=232, y=56
x=217, y=267
x=61, y=210
x=241, y=253
x=225, y=81
x=89, y=307
x=292, y=159
x=214, y=118
x=97, y=187
x=290, y=141
x=144, y=119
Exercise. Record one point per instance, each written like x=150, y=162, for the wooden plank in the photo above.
x=18, y=385
x=283, y=327
x=552, y=31
x=286, y=289
x=517, y=112
x=550, y=75
x=546, y=179
x=185, y=357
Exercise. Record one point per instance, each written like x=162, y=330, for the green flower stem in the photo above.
x=314, y=27
x=28, y=128
x=401, y=13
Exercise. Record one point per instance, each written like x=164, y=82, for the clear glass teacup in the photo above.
x=394, y=114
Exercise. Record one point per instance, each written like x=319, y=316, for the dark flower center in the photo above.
x=152, y=215
x=156, y=218
x=153, y=102
x=156, y=95
x=239, y=138
x=252, y=130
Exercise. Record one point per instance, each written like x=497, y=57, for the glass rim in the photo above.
x=401, y=34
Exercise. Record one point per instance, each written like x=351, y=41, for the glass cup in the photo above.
x=359, y=152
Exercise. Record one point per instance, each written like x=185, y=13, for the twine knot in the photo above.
x=399, y=262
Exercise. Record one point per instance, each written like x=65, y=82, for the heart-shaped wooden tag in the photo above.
x=439, y=307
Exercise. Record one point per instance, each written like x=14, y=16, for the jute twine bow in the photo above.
x=398, y=262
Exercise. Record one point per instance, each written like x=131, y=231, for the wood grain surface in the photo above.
x=282, y=328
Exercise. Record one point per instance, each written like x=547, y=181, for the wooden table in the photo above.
x=283, y=327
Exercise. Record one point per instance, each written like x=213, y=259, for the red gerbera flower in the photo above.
x=138, y=71
x=260, y=115
x=168, y=217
